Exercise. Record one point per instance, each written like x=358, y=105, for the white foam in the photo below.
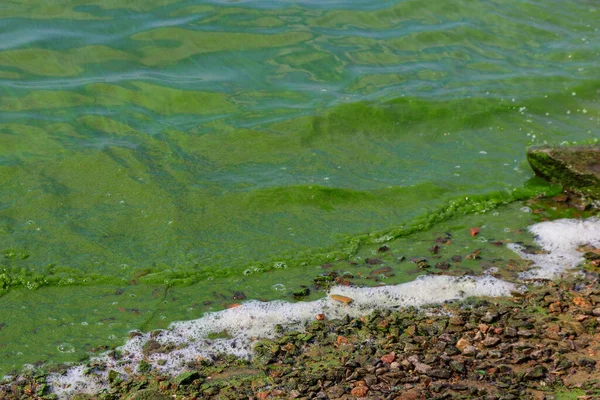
x=559, y=239
x=255, y=319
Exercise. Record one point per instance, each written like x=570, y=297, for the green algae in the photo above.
x=59, y=63
x=173, y=149
x=183, y=43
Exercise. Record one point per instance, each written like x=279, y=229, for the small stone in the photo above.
x=360, y=391
x=490, y=317
x=457, y=366
x=410, y=347
x=535, y=373
x=334, y=392
x=509, y=331
x=595, y=299
x=491, y=341
x=443, y=265
x=469, y=351
x=526, y=333
x=395, y=365
x=185, y=378
x=389, y=358
x=420, y=367
x=462, y=343
x=440, y=373
x=456, y=321
x=320, y=317
x=342, y=299
x=596, y=312
x=474, y=255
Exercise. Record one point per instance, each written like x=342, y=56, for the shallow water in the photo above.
x=158, y=156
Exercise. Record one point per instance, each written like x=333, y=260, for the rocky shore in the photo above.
x=543, y=343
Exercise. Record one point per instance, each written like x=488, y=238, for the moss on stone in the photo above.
x=576, y=168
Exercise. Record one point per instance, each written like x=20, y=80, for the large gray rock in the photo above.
x=576, y=168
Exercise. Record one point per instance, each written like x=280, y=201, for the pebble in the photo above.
x=342, y=299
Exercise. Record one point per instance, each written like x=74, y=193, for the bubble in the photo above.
x=280, y=265
x=279, y=287
x=525, y=209
x=84, y=323
x=247, y=272
x=66, y=348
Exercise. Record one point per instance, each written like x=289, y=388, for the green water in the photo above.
x=157, y=156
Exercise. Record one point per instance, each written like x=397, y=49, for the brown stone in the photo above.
x=360, y=391
x=340, y=298
x=462, y=343
x=389, y=358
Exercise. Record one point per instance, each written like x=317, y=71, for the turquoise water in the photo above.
x=159, y=155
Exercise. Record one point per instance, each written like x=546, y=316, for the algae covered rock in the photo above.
x=148, y=394
x=576, y=168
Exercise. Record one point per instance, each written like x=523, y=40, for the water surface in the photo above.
x=157, y=155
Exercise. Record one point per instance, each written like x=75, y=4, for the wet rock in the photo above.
x=340, y=298
x=440, y=373
x=510, y=332
x=420, y=367
x=359, y=391
x=586, y=362
x=457, y=366
x=576, y=168
x=336, y=391
x=443, y=265
x=489, y=317
x=421, y=263
x=535, y=373
x=462, y=343
x=389, y=358
x=238, y=296
x=185, y=378
x=469, y=351
x=147, y=394
x=526, y=333
x=300, y=293
x=383, y=249
x=491, y=341
x=474, y=255
x=151, y=347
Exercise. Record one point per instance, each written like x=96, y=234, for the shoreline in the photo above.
x=531, y=345
x=478, y=347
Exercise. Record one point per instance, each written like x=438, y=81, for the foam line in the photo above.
x=559, y=239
